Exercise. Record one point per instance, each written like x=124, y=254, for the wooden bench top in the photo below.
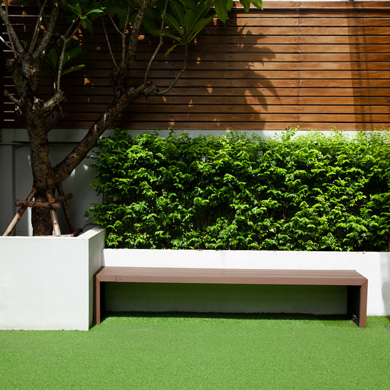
x=230, y=276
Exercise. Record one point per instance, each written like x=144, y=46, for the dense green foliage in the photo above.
x=312, y=192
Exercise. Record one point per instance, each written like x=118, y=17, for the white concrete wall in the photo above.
x=375, y=266
x=46, y=283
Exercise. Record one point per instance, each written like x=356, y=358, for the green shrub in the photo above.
x=312, y=192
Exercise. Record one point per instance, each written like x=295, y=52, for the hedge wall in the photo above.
x=311, y=192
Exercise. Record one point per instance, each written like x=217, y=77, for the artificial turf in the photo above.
x=155, y=351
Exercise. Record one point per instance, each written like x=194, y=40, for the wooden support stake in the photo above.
x=50, y=204
x=74, y=234
x=45, y=205
x=53, y=215
x=19, y=214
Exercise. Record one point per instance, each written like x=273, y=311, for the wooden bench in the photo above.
x=355, y=282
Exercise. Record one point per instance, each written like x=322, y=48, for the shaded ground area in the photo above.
x=163, y=351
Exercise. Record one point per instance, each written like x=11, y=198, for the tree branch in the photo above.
x=59, y=72
x=159, y=44
x=114, y=24
x=49, y=31
x=5, y=43
x=37, y=26
x=124, y=31
x=135, y=32
x=177, y=76
x=72, y=30
x=109, y=44
x=65, y=42
x=121, y=33
x=16, y=45
x=63, y=169
x=56, y=99
x=13, y=99
x=39, y=3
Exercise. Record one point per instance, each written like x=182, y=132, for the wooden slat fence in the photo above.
x=312, y=64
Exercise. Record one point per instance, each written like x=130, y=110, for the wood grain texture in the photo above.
x=312, y=64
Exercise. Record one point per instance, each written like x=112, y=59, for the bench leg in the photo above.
x=363, y=304
x=357, y=304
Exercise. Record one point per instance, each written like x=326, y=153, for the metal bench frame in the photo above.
x=357, y=284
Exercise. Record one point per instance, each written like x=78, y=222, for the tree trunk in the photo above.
x=43, y=175
x=41, y=220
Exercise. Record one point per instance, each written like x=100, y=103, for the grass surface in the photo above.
x=201, y=352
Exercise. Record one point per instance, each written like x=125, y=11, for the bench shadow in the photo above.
x=232, y=316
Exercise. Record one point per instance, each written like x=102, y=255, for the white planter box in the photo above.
x=46, y=282
x=375, y=266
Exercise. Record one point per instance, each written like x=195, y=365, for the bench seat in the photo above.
x=356, y=283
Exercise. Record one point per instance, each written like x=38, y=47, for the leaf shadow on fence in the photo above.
x=228, y=83
x=223, y=87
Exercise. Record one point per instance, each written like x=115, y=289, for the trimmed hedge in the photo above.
x=311, y=192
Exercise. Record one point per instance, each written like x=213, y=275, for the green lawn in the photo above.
x=201, y=352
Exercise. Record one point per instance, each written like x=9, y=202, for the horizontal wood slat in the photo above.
x=312, y=64
x=358, y=102
x=302, y=30
x=241, y=117
x=211, y=92
x=282, y=4
x=219, y=125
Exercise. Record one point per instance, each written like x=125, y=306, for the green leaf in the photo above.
x=150, y=26
x=75, y=9
x=167, y=33
x=246, y=4
x=52, y=59
x=87, y=25
x=170, y=50
x=258, y=4
x=190, y=4
x=229, y=5
x=73, y=54
x=202, y=11
x=189, y=19
x=173, y=23
x=221, y=9
x=178, y=11
x=199, y=26
x=73, y=69
x=95, y=11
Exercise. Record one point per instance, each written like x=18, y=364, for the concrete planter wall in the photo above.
x=306, y=299
x=46, y=282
